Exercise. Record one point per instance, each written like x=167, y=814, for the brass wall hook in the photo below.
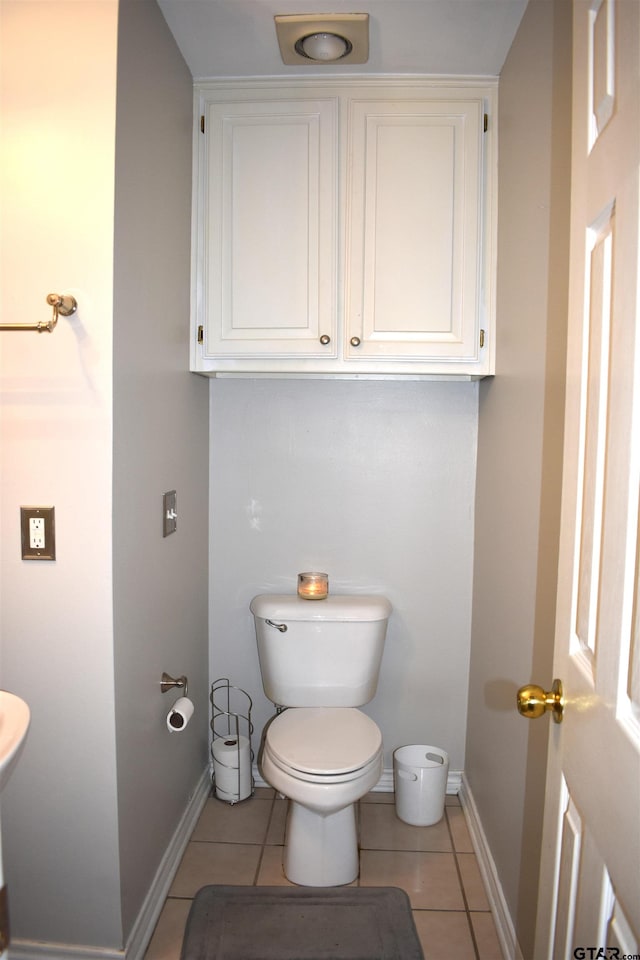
x=63, y=306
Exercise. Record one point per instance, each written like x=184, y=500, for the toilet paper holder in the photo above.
x=168, y=683
x=231, y=749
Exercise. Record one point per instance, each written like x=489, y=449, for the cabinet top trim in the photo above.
x=409, y=81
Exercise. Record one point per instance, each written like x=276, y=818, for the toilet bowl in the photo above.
x=323, y=759
x=321, y=660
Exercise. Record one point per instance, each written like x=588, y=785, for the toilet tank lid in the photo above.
x=340, y=607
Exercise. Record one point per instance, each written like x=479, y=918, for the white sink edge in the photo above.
x=15, y=718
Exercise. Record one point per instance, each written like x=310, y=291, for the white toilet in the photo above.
x=321, y=657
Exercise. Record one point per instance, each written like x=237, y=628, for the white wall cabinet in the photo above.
x=344, y=230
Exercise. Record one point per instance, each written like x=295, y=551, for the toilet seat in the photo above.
x=326, y=779
x=324, y=744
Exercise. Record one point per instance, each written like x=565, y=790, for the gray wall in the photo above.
x=372, y=482
x=519, y=456
x=98, y=419
x=160, y=429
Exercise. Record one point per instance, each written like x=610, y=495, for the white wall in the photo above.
x=98, y=419
x=374, y=483
x=521, y=416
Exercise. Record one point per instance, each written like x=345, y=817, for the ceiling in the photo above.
x=237, y=38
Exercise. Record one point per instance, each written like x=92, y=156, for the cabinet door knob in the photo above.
x=325, y=339
x=355, y=341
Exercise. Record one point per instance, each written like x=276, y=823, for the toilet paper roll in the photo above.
x=179, y=715
x=232, y=768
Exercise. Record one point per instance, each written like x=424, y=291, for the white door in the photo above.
x=590, y=880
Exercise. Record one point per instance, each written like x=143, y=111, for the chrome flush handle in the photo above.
x=282, y=627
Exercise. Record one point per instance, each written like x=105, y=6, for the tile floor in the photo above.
x=435, y=865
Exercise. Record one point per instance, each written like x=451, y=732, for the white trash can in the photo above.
x=420, y=783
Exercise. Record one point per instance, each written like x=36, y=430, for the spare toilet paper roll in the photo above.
x=232, y=767
x=179, y=715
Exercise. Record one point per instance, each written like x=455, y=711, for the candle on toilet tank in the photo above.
x=313, y=586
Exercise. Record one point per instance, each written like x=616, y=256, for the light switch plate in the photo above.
x=38, y=533
x=169, y=513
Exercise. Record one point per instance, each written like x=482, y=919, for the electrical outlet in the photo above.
x=38, y=533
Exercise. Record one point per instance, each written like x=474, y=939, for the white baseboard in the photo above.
x=151, y=908
x=384, y=784
x=154, y=901
x=499, y=907
x=43, y=950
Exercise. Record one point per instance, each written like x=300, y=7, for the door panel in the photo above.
x=590, y=877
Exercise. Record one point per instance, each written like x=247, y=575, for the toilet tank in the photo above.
x=320, y=653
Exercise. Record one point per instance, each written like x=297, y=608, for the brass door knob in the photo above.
x=325, y=339
x=533, y=702
x=355, y=341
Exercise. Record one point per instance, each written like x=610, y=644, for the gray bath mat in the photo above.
x=301, y=923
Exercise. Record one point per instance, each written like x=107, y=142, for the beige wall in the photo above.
x=98, y=419
x=519, y=457
x=56, y=629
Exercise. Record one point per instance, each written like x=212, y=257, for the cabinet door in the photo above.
x=269, y=232
x=414, y=240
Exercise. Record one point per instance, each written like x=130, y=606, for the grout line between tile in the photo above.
x=464, y=892
x=264, y=840
x=424, y=910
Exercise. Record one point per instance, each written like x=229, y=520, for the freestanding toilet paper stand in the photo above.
x=231, y=751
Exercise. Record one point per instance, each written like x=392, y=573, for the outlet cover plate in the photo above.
x=48, y=550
